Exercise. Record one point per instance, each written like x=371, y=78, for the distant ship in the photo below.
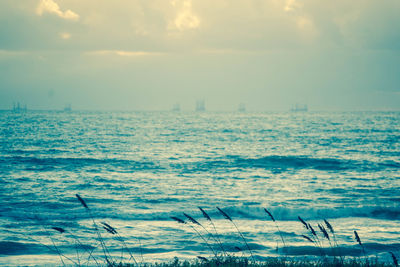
x=19, y=108
x=242, y=107
x=176, y=107
x=299, y=108
x=68, y=108
x=200, y=105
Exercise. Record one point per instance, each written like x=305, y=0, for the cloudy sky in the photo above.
x=150, y=54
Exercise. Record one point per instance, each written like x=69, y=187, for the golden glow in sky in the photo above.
x=267, y=53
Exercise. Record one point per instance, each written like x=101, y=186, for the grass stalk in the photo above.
x=357, y=237
x=78, y=242
x=277, y=227
x=100, y=238
x=208, y=218
x=195, y=222
x=237, y=229
x=114, y=232
x=197, y=232
x=395, y=261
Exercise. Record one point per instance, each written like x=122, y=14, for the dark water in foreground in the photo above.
x=135, y=170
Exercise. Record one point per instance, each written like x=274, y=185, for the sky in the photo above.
x=150, y=54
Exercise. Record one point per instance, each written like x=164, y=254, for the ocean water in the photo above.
x=137, y=169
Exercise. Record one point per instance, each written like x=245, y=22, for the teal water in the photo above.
x=136, y=170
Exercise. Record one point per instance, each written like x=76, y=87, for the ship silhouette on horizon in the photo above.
x=68, y=108
x=176, y=107
x=242, y=107
x=200, y=106
x=299, y=108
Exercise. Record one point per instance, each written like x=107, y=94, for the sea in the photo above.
x=138, y=172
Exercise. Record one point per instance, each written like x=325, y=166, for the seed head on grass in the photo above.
x=203, y=258
x=109, y=228
x=205, y=214
x=178, y=220
x=357, y=237
x=395, y=262
x=269, y=214
x=224, y=214
x=82, y=201
x=324, y=232
x=312, y=230
x=303, y=222
x=58, y=229
x=307, y=238
x=193, y=220
x=329, y=226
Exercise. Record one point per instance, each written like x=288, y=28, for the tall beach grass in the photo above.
x=321, y=235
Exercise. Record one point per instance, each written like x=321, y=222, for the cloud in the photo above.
x=192, y=25
x=49, y=6
x=65, y=35
x=123, y=53
x=229, y=51
x=306, y=27
x=185, y=18
x=11, y=53
x=292, y=5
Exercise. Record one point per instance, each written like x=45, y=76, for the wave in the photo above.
x=307, y=213
x=284, y=163
x=17, y=248
x=280, y=213
x=49, y=151
x=296, y=162
x=68, y=163
x=275, y=163
x=355, y=251
x=306, y=162
x=9, y=248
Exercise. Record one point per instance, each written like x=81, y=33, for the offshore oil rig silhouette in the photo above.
x=17, y=107
x=200, y=106
x=176, y=107
x=299, y=108
x=242, y=107
x=67, y=108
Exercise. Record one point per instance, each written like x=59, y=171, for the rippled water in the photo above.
x=136, y=170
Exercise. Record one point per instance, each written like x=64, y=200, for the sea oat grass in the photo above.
x=269, y=262
x=208, y=218
x=276, y=225
x=237, y=229
x=326, y=230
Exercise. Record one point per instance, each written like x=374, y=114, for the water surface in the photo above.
x=136, y=170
